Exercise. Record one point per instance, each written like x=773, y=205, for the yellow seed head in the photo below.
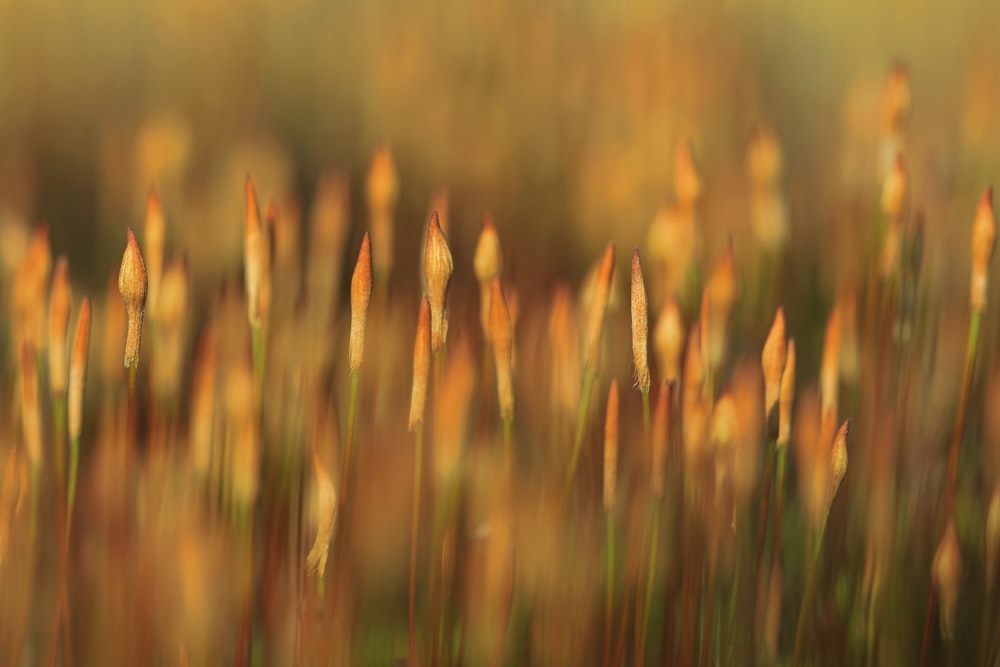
x=326, y=518
x=640, y=325
x=896, y=98
x=78, y=371
x=564, y=347
x=421, y=365
x=764, y=159
x=687, y=181
x=59, y=307
x=132, y=287
x=487, y=264
x=838, y=461
x=438, y=266
x=947, y=574
x=502, y=340
x=787, y=396
x=611, y=447
x=597, y=308
x=361, y=295
x=253, y=255
x=383, y=191
x=984, y=234
x=772, y=361
x=725, y=427
x=669, y=337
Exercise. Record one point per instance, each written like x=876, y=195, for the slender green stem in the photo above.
x=808, y=597
x=581, y=425
x=609, y=566
x=74, y=465
x=414, y=539
x=352, y=413
x=779, y=503
x=654, y=541
x=765, y=500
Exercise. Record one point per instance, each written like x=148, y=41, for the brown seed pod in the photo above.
x=383, y=191
x=326, y=518
x=640, y=325
x=438, y=267
x=669, y=337
x=487, y=264
x=132, y=287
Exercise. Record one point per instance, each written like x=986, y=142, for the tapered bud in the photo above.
x=984, y=234
x=132, y=287
x=787, y=396
x=894, y=189
x=421, y=365
x=725, y=428
x=764, y=159
x=687, y=181
x=772, y=362
x=502, y=340
x=253, y=255
x=361, y=294
x=838, y=461
x=640, y=325
x=487, y=264
x=669, y=337
x=947, y=574
x=438, y=266
x=59, y=306
x=78, y=371
x=383, y=191
x=611, y=448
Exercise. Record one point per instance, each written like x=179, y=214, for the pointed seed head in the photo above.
x=132, y=287
x=361, y=294
x=59, y=307
x=984, y=234
x=640, y=325
x=597, y=308
x=787, y=396
x=253, y=255
x=78, y=371
x=326, y=514
x=772, y=362
x=946, y=571
x=502, y=340
x=438, y=266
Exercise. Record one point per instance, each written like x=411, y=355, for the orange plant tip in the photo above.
x=502, y=340
x=487, y=260
x=773, y=365
x=421, y=365
x=598, y=307
x=640, y=325
x=78, y=370
x=984, y=231
x=611, y=447
x=361, y=294
x=787, y=396
x=59, y=309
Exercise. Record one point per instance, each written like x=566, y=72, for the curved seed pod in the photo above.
x=132, y=286
x=772, y=361
x=669, y=336
x=787, y=396
x=487, y=263
x=438, y=267
x=326, y=518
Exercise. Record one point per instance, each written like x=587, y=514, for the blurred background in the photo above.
x=560, y=118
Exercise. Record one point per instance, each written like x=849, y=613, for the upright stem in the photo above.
x=765, y=500
x=352, y=413
x=654, y=541
x=609, y=565
x=414, y=538
x=779, y=504
x=581, y=425
x=74, y=465
x=808, y=596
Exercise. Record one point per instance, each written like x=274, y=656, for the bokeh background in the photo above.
x=560, y=118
